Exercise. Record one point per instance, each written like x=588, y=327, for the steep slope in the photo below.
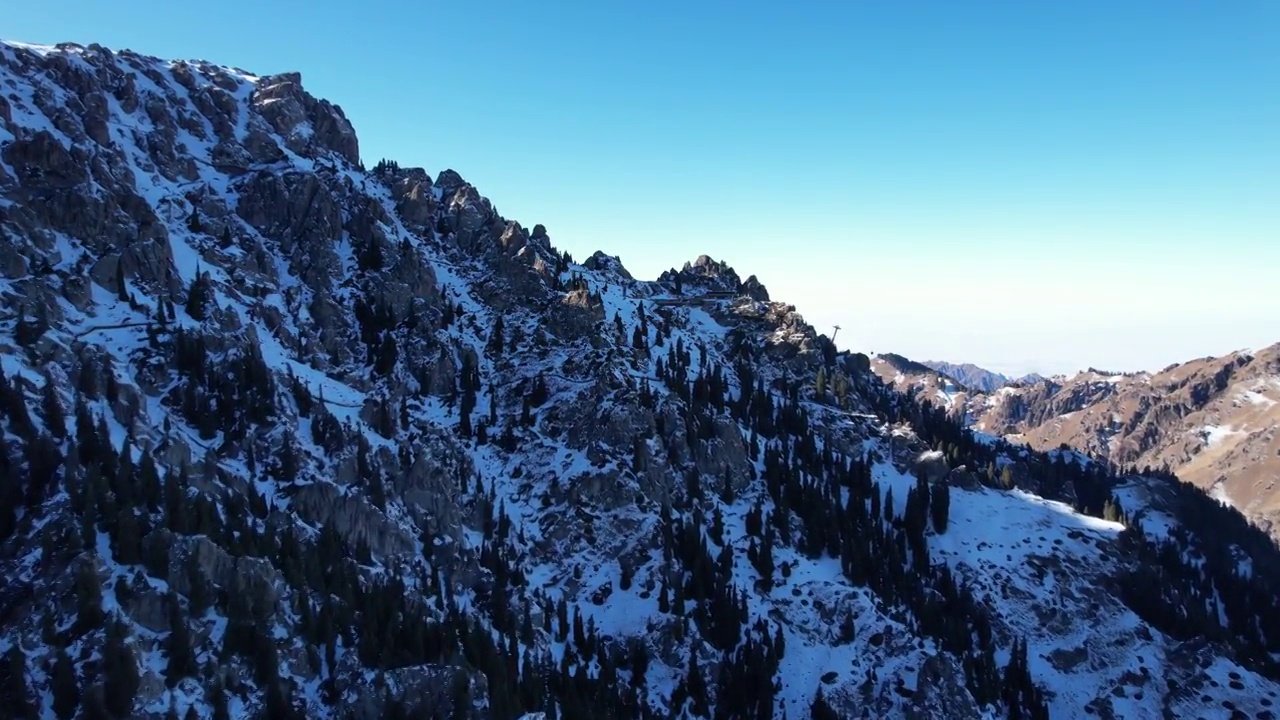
x=924, y=382
x=286, y=437
x=1212, y=421
x=970, y=376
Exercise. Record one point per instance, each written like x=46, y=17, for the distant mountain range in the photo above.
x=1212, y=420
x=974, y=377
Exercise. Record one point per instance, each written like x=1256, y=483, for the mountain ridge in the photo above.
x=1207, y=419
x=288, y=437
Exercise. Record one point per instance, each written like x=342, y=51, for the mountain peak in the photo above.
x=711, y=275
x=282, y=436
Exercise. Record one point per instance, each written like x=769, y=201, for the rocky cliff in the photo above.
x=1211, y=421
x=286, y=436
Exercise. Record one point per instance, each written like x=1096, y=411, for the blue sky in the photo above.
x=1029, y=186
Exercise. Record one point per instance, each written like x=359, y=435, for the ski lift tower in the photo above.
x=833, y=335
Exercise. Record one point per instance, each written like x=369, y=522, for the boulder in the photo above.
x=931, y=465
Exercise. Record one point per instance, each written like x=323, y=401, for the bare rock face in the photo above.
x=221, y=571
x=301, y=213
x=941, y=694
x=415, y=200
x=354, y=518
x=754, y=289
x=431, y=484
x=931, y=465
x=606, y=263
x=307, y=124
x=475, y=223
x=41, y=161
x=963, y=478
x=1211, y=421
x=449, y=181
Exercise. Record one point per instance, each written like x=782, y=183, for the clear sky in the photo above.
x=1029, y=186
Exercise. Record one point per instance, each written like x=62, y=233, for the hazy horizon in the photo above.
x=1028, y=188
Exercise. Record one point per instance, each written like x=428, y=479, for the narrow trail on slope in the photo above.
x=113, y=326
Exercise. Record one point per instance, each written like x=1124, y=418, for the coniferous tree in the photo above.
x=15, y=691
x=177, y=643
x=89, y=596
x=940, y=507
x=199, y=597
x=121, y=681
x=218, y=703
x=495, y=345
x=122, y=291
x=55, y=416
x=65, y=686
x=198, y=297
x=820, y=709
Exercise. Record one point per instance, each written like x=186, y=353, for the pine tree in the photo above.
x=821, y=709
x=15, y=691
x=726, y=488
x=121, y=681
x=128, y=540
x=198, y=595
x=495, y=345
x=940, y=507
x=65, y=687
x=197, y=305
x=122, y=290
x=218, y=702
x=182, y=662
x=55, y=415
x=89, y=596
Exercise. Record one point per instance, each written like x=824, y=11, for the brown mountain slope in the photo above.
x=1213, y=421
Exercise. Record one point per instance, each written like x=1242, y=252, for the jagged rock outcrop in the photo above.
x=308, y=125
x=941, y=694
x=279, y=431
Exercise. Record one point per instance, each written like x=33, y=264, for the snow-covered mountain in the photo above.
x=286, y=436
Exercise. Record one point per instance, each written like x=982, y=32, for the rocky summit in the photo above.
x=284, y=436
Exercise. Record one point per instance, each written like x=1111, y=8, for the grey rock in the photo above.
x=611, y=264
x=941, y=693
x=149, y=609
x=963, y=479
x=308, y=125
x=415, y=200
x=353, y=517
x=40, y=161
x=222, y=571
x=931, y=465
x=449, y=181
x=754, y=289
